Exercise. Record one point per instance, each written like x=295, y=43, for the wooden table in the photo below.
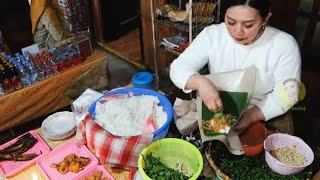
x=46, y=96
x=33, y=173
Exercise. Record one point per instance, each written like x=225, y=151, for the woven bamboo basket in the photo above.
x=210, y=157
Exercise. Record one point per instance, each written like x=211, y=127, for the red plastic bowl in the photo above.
x=252, y=139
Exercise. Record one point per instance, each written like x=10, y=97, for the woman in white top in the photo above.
x=243, y=40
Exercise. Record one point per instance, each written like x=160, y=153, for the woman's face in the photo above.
x=243, y=23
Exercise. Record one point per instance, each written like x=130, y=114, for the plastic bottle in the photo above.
x=17, y=58
x=15, y=79
x=23, y=60
x=37, y=57
x=23, y=76
x=44, y=67
x=28, y=56
x=13, y=61
x=5, y=81
x=52, y=65
x=38, y=70
x=33, y=75
x=1, y=90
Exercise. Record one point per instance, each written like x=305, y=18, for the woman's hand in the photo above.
x=207, y=91
x=248, y=118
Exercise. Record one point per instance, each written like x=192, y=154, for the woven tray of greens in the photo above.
x=228, y=166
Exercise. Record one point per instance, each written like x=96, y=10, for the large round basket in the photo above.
x=215, y=152
x=211, y=159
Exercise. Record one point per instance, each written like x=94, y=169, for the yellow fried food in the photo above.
x=83, y=160
x=95, y=176
x=75, y=166
x=98, y=174
x=70, y=157
x=71, y=163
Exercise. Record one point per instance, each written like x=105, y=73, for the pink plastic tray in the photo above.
x=10, y=168
x=92, y=170
x=57, y=155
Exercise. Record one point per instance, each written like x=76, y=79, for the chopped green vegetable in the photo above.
x=254, y=168
x=248, y=167
x=155, y=169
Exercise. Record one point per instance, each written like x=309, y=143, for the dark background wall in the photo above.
x=15, y=23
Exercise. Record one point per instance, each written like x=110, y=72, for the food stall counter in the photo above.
x=49, y=95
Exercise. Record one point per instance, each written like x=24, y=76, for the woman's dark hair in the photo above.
x=263, y=6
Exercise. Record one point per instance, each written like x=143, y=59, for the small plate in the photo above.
x=59, y=125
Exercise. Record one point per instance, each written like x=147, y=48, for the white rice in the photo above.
x=127, y=116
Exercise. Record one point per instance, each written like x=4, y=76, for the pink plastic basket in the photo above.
x=280, y=140
x=94, y=169
x=10, y=168
x=57, y=155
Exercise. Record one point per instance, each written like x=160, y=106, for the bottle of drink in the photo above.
x=52, y=65
x=37, y=57
x=15, y=79
x=23, y=76
x=38, y=70
x=44, y=67
x=1, y=90
x=5, y=81
x=17, y=58
x=29, y=56
x=13, y=61
x=33, y=75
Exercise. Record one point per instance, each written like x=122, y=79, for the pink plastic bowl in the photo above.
x=280, y=140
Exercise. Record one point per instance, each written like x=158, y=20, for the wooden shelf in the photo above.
x=169, y=50
x=196, y=27
x=48, y=96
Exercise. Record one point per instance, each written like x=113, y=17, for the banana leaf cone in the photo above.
x=234, y=103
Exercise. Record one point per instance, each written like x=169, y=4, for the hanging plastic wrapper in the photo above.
x=185, y=115
x=81, y=105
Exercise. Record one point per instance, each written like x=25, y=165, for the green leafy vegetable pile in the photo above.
x=254, y=168
x=155, y=169
x=248, y=167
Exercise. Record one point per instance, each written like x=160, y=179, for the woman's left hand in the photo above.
x=248, y=118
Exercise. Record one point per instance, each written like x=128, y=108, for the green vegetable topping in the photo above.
x=155, y=169
x=254, y=168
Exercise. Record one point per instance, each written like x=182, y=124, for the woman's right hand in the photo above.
x=207, y=91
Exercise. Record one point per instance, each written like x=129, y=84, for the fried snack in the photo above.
x=70, y=157
x=63, y=167
x=83, y=160
x=95, y=176
x=71, y=163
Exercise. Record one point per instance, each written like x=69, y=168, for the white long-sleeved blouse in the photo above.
x=275, y=55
